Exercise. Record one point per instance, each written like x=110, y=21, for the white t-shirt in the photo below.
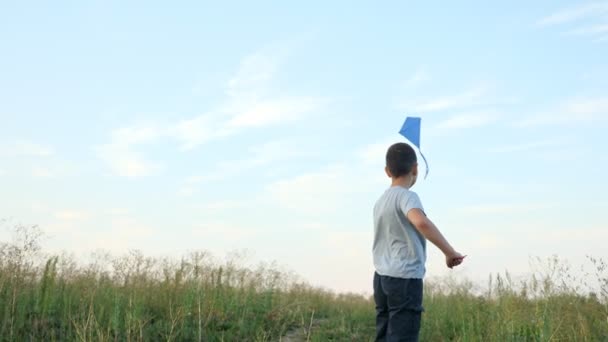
x=399, y=249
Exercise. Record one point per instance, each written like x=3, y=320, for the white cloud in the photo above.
x=465, y=99
x=42, y=162
x=328, y=190
x=221, y=230
x=374, y=153
x=71, y=215
x=117, y=211
x=311, y=192
x=567, y=154
x=578, y=110
x=272, y=151
x=255, y=156
x=191, y=184
x=590, y=30
x=590, y=19
x=254, y=74
x=26, y=148
x=125, y=162
x=526, y=146
x=54, y=169
x=200, y=129
x=249, y=104
x=420, y=76
x=137, y=134
x=487, y=209
x=469, y=120
x=121, y=154
x=42, y=172
x=588, y=107
x=222, y=205
x=264, y=113
x=575, y=14
x=238, y=114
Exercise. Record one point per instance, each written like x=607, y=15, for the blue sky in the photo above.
x=263, y=127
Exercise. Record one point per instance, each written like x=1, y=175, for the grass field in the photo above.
x=197, y=298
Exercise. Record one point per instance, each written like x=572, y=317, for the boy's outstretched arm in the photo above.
x=427, y=228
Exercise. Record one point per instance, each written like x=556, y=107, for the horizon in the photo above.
x=263, y=128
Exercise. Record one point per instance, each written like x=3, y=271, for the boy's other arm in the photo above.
x=427, y=228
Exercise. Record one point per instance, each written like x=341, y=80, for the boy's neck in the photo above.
x=403, y=181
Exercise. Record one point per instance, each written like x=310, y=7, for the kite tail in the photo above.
x=426, y=164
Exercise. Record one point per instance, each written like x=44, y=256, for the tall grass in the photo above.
x=198, y=298
x=544, y=307
x=138, y=298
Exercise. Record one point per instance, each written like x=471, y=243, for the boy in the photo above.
x=400, y=232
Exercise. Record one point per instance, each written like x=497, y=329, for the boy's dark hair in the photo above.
x=400, y=159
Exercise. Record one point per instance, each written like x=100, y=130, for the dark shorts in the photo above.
x=398, y=308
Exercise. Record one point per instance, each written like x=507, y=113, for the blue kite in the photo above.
x=411, y=131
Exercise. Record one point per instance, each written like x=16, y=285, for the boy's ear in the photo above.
x=415, y=170
x=388, y=172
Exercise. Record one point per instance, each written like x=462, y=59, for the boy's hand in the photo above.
x=454, y=259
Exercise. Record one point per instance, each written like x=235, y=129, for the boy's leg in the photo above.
x=381, y=309
x=405, y=308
